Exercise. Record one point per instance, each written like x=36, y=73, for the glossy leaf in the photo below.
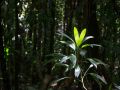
x=95, y=45
x=90, y=45
x=71, y=45
x=101, y=78
x=97, y=61
x=64, y=59
x=93, y=62
x=87, y=38
x=73, y=60
x=63, y=34
x=91, y=66
x=77, y=71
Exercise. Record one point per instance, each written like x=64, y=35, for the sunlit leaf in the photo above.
x=82, y=35
x=85, y=45
x=87, y=38
x=79, y=39
x=101, y=78
x=76, y=36
x=77, y=71
x=7, y=51
x=72, y=45
x=91, y=66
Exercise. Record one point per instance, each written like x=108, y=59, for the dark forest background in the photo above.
x=28, y=35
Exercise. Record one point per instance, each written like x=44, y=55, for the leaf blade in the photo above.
x=76, y=36
x=101, y=78
x=82, y=36
x=73, y=60
x=77, y=71
x=71, y=45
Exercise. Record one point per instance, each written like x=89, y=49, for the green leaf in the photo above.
x=111, y=86
x=90, y=45
x=85, y=45
x=76, y=36
x=93, y=62
x=95, y=45
x=73, y=59
x=63, y=34
x=82, y=35
x=77, y=71
x=87, y=38
x=71, y=45
x=54, y=83
x=79, y=39
x=101, y=78
x=64, y=59
x=96, y=62
x=60, y=65
x=7, y=51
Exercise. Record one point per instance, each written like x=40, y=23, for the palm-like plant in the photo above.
x=77, y=44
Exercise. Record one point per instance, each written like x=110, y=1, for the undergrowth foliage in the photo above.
x=77, y=66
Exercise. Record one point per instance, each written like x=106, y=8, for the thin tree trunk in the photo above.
x=17, y=48
x=92, y=30
x=52, y=29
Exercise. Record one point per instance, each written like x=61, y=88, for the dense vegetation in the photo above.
x=44, y=45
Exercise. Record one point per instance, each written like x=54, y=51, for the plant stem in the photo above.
x=82, y=78
x=83, y=83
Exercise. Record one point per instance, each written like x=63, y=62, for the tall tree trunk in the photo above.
x=91, y=25
x=70, y=6
x=17, y=53
x=5, y=76
x=92, y=29
x=52, y=29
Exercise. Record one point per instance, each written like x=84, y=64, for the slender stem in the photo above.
x=83, y=84
x=82, y=78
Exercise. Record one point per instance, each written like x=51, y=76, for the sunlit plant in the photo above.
x=77, y=45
